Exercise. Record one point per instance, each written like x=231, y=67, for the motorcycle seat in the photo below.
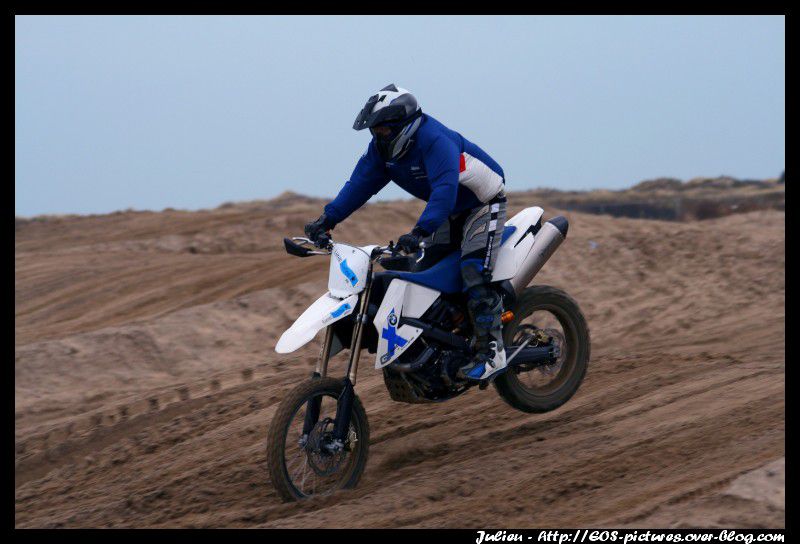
x=445, y=275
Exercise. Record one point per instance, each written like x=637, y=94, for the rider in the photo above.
x=464, y=188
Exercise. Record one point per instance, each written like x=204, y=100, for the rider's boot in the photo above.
x=489, y=355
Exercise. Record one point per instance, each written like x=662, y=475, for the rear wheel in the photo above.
x=304, y=465
x=545, y=314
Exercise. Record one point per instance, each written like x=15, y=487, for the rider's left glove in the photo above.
x=410, y=242
x=318, y=228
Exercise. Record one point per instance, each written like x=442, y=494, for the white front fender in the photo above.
x=325, y=311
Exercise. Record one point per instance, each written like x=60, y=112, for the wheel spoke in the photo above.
x=299, y=468
x=303, y=481
x=299, y=455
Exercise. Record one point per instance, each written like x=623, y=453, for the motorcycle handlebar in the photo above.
x=325, y=243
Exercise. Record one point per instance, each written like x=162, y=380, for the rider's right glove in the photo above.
x=410, y=242
x=317, y=228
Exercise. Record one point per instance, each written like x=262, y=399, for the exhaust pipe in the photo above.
x=545, y=243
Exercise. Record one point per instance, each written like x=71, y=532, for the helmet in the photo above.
x=395, y=109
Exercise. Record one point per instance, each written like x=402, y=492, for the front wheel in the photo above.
x=545, y=312
x=303, y=464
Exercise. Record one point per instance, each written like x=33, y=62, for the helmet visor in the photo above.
x=386, y=132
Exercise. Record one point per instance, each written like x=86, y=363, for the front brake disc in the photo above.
x=321, y=461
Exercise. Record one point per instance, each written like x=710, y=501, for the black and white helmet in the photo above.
x=397, y=109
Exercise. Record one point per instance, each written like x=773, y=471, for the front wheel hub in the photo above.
x=333, y=446
x=325, y=454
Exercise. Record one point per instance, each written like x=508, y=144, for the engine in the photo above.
x=432, y=381
x=427, y=371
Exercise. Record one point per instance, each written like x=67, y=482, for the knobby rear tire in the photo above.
x=556, y=301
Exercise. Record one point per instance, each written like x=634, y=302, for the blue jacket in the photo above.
x=441, y=167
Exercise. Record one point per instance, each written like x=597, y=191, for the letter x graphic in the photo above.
x=390, y=335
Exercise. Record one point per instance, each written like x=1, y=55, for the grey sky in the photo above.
x=190, y=112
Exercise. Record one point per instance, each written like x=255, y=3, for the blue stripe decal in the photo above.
x=340, y=310
x=507, y=232
x=348, y=272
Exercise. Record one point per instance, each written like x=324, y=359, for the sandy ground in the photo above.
x=145, y=379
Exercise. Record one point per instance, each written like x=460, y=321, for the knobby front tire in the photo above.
x=283, y=435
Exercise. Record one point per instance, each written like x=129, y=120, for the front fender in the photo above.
x=325, y=311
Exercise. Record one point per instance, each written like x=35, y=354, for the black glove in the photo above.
x=319, y=228
x=410, y=242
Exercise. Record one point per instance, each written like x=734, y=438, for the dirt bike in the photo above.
x=412, y=316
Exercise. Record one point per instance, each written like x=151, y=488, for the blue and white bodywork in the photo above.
x=347, y=278
x=348, y=271
x=326, y=310
x=402, y=298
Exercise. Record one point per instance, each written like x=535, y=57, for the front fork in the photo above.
x=313, y=404
x=344, y=406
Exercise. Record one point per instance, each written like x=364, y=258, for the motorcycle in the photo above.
x=413, y=317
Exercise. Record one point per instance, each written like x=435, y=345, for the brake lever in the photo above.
x=304, y=240
x=422, y=256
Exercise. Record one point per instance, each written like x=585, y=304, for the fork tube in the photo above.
x=355, y=346
x=321, y=369
x=313, y=404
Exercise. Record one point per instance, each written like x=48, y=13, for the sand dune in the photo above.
x=145, y=379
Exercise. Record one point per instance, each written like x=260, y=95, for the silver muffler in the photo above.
x=545, y=243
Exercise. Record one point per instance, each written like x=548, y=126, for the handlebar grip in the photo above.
x=323, y=241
